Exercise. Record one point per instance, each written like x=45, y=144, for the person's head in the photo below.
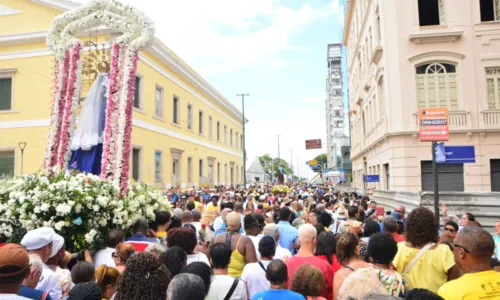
x=325, y=219
x=144, y=278
x=214, y=200
x=473, y=246
x=347, y=248
x=308, y=281
x=156, y=249
x=141, y=227
x=330, y=205
x=186, y=287
x=229, y=205
x=267, y=247
x=233, y=221
x=419, y=294
x=175, y=259
x=83, y=272
x=261, y=220
x=451, y=229
x=39, y=241
x=326, y=245
x=353, y=212
x=251, y=225
x=390, y=225
x=365, y=199
x=107, y=280
x=85, y=291
x=371, y=227
x=497, y=227
x=201, y=269
x=272, y=230
x=382, y=248
x=224, y=213
x=421, y=227
x=285, y=214
x=307, y=236
x=196, y=215
x=220, y=256
x=35, y=273
x=239, y=208
x=14, y=268
x=115, y=237
x=122, y=253
x=183, y=237
x=400, y=209
x=187, y=217
x=175, y=222
x=312, y=217
x=190, y=205
x=250, y=207
x=358, y=284
x=277, y=273
x=466, y=219
x=373, y=205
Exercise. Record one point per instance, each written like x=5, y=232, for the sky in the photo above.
x=275, y=50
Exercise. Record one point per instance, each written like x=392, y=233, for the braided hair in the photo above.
x=145, y=278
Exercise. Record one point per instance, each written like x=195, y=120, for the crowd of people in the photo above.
x=313, y=243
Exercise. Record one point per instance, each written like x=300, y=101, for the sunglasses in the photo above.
x=458, y=246
x=449, y=229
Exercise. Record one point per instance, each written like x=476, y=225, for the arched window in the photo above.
x=437, y=86
x=381, y=95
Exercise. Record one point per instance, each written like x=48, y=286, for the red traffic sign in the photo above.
x=433, y=124
x=313, y=144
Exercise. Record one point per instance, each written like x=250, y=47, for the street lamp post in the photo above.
x=244, y=137
x=22, y=145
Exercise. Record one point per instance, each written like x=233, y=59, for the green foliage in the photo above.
x=272, y=165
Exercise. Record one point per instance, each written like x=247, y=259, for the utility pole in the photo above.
x=291, y=160
x=244, y=149
x=279, y=157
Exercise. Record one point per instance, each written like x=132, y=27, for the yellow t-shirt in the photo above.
x=161, y=234
x=213, y=208
x=482, y=285
x=430, y=271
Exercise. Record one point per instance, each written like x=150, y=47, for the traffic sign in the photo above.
x=434, y=124
x=312, y=162
x=313, y=144
x=455, y=154
x=372, y=178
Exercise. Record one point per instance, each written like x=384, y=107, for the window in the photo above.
x=218, y=172
x=450, y=177
x=494, y=174
x=176, y=110
x=431, y=12
x=7, y=163
x=190, y=117
x=490, y=10
x=137, y=93
x=136, y=163
x=493, y=86
x=200, y=122
x=210, y=127
x=241, y=141
x=158, y=164
x=225, y=134
x=159, y=102
x=200, y=168
x=218, y=131
x=5, y=94
x=190, y=170
x=231, y=137
x=381, y=95
x=437, y=86
x=236, y=140
x=364, y=123
x=379, y=31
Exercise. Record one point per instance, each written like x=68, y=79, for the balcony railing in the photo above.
x=491, y=118
x=458, y=119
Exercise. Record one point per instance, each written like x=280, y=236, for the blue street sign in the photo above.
x=372, y=178
x=307, y=163
x=455, y=154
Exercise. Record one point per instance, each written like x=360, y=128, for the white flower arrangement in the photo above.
x=82, y=208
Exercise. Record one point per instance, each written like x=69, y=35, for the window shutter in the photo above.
x=135, y=164
x=5, y=94
x=450, y=177
x=137, y=93
x=421, y=91
x=7, y=163
x=453, y=96
x=495, y=175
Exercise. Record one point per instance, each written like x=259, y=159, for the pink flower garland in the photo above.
x=116, y=120
x=127, y=139
x=111, y=107
x=65, y=126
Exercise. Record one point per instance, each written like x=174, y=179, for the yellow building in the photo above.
x=185, y=133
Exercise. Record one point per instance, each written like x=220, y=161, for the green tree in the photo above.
x=322, y=159
x=272, y=165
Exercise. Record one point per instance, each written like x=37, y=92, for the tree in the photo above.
x=322, y=159
x=272, y=165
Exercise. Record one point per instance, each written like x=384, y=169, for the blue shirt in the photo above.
x=141, y=238
x=278, y=295
x=288, y=235
x=174, y=198
x=30, y=293
x=223, y=229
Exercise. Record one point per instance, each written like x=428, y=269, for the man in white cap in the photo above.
x=58, y=254
x=40, y=241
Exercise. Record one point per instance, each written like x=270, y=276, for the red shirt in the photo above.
x=295, y=262
x=398, y=237
x=335, y=264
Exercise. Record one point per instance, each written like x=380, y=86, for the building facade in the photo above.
x=406, y=55
x=334, y=105
x=184, y=132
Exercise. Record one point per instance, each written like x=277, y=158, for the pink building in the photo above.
x=409, y=54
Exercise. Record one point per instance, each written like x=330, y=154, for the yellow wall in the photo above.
x=32, y=97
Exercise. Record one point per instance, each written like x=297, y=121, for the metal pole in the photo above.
x=279, y=157
x=22, y=161
x=244, y=137
x=291, y=162
x=435, y=178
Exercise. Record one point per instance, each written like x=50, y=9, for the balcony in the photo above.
x=458, y=120
x=491, y=118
